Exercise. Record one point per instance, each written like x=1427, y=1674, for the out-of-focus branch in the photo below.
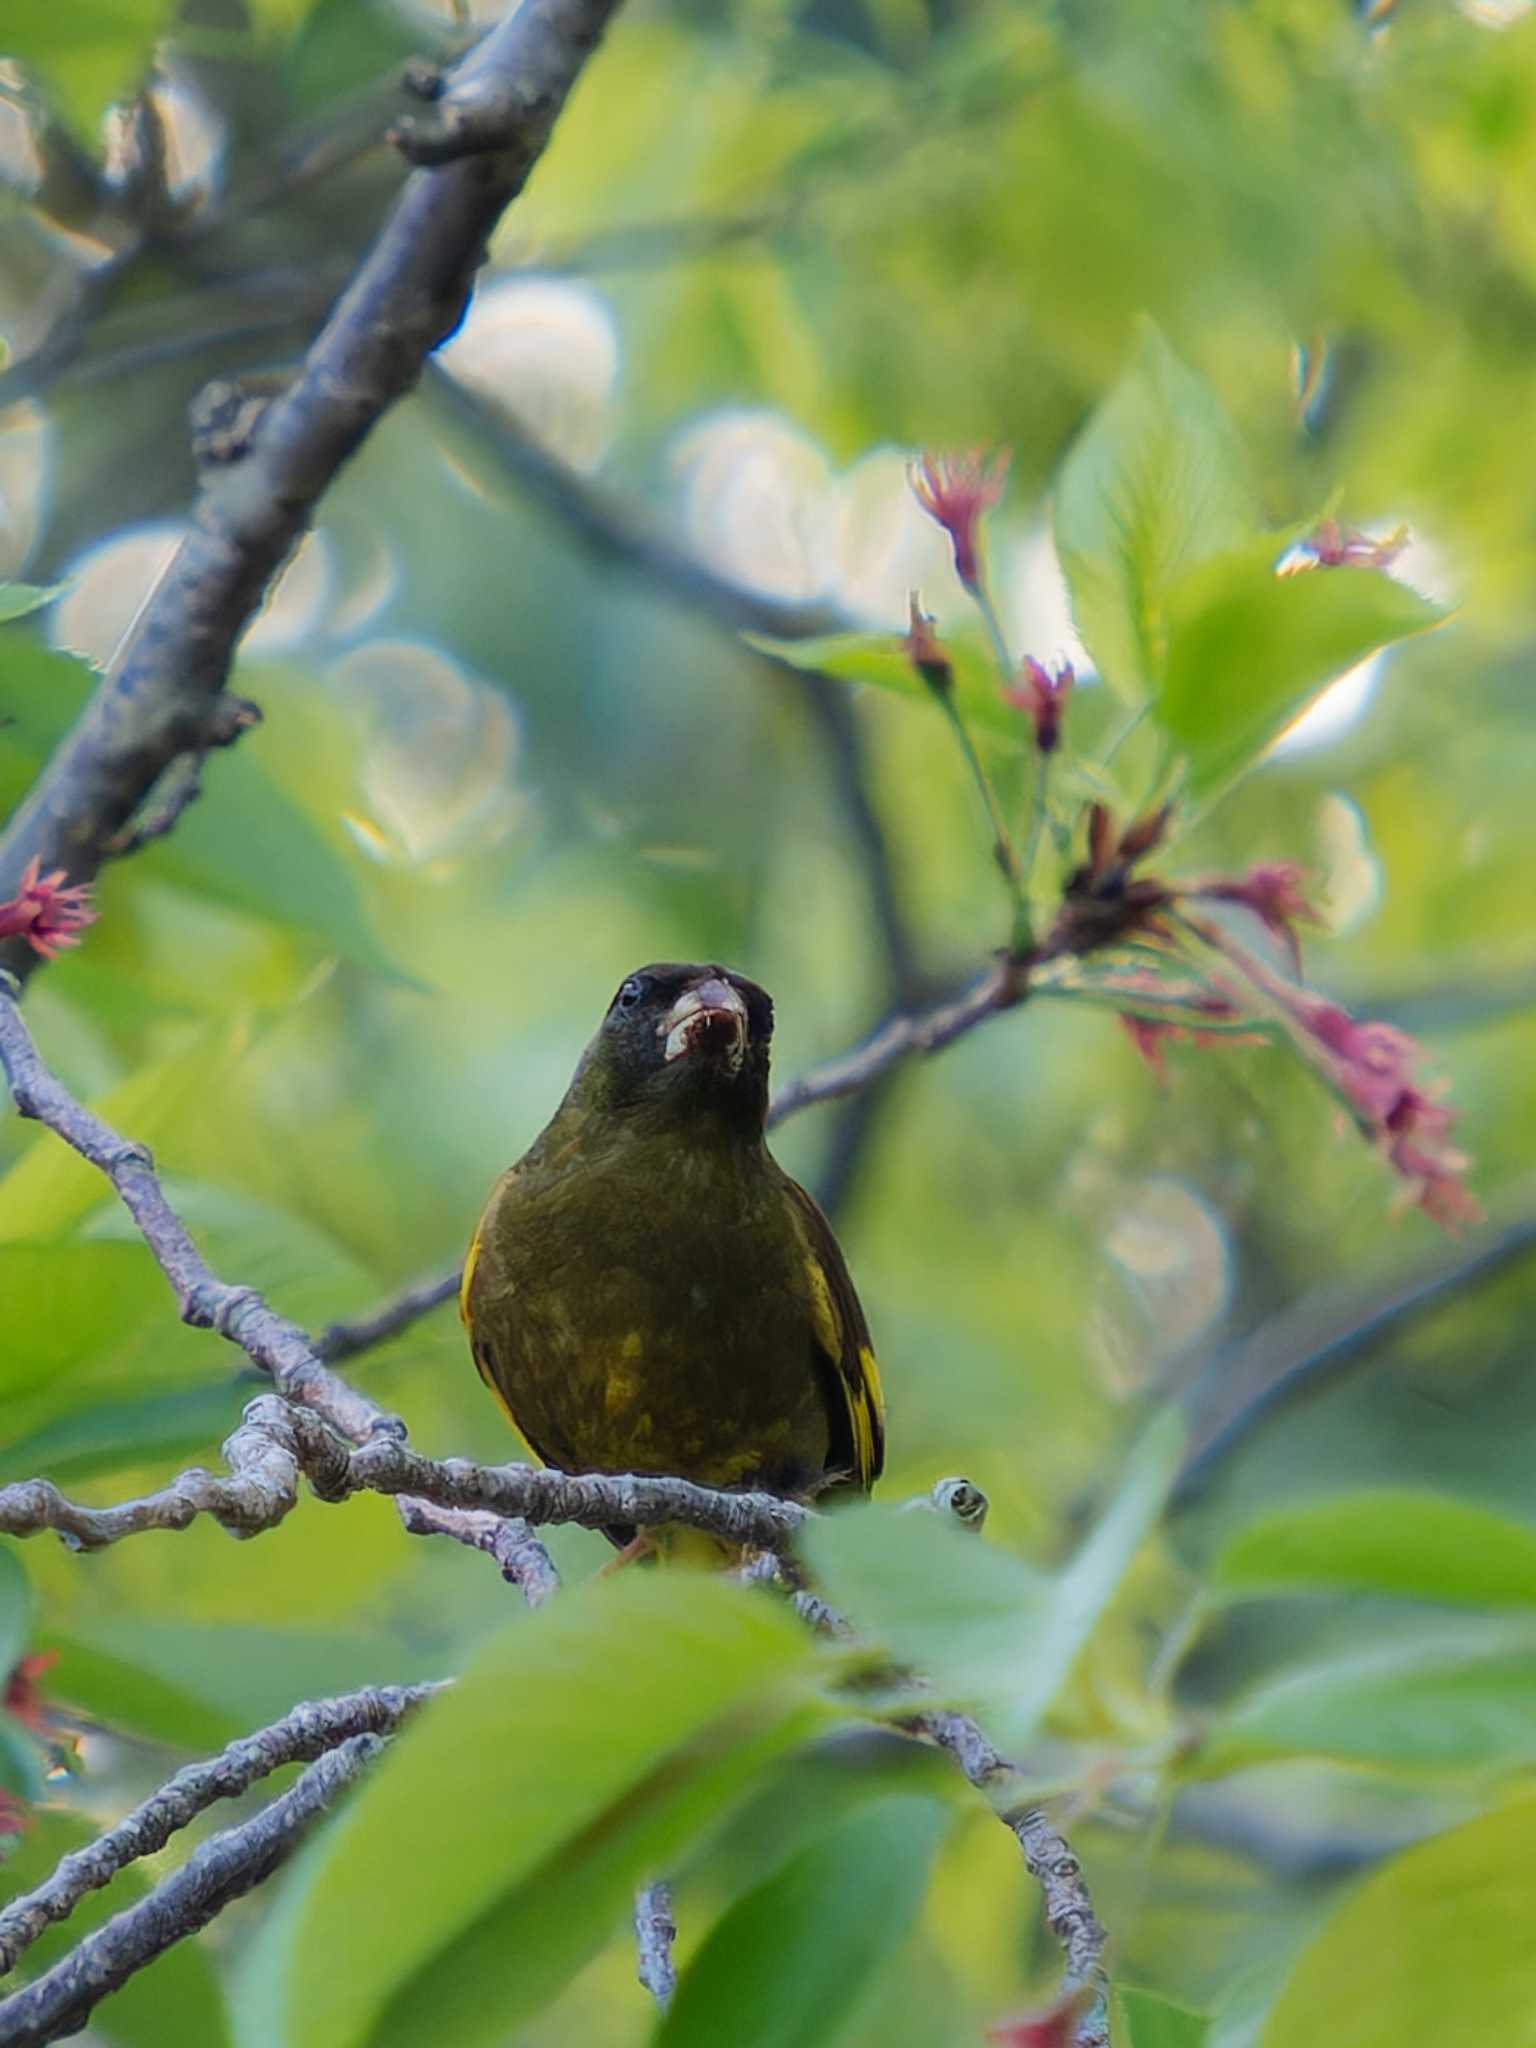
x=1296, y=1353
x=408, y=294
x=221, y=1869
x=300, y=1737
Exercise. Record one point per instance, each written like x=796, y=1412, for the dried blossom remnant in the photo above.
x=925, y=650
x=1372, y=1065
x=1332, y=546
x=1043, y=694
x=1273, y=890
x=47, y=911
x=1103, y=900
x=956, y=490
x=24, y=1699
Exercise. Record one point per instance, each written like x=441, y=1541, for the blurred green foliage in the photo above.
x=1213, y=273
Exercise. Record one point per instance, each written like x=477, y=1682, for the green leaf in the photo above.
x=15, y=1607
x=979, y=1624
x=124, y=1692
x=176, y=1999
x=620, y=1692
x=17, y=599
x=98, y=1436
x=1436, y=1947
x=1145, y=2019
x=1449, y=1699
x=879, y=660
x=91, y=52
x=1248, y=651
x=789, y=1961
x=1155, y=483
x=1423, y=1545
x=21, y=1764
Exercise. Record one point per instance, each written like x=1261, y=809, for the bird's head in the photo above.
x=683, y=1036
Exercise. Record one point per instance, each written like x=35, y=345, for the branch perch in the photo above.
x=410, y=291
x=300, y=1737
x=221, y=1869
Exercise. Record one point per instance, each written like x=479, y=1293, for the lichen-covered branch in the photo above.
x=410, y=291
x=1049, y=1857
x=300, y=1737
x=221, y=1869
x=277, y=1440
x=509, y=1539
x=655, y=1932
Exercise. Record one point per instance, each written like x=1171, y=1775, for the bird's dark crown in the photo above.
x=685, y=1034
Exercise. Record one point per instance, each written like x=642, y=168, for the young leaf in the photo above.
x=17, y=599
x=981, y=1625
x=1155, y=483
x=1434, y=1948
x=620, y=1692
x=1422, y=1545
x=787, y=1963
x=1248, y=651
x=878, y=659
x=1446, y=1699
x=15, y=1608
x=1148, y=2020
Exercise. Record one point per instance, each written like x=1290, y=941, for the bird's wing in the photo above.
x=843, y=1337
x=491, y=1369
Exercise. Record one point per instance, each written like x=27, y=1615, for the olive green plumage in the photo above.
x=648, y=1290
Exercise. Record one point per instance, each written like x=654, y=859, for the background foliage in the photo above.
x=773, y=248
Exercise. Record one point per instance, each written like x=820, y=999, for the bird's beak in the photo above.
x=709, y=1017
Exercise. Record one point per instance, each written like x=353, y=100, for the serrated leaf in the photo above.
x=787, y=1964
x=1148, y=2020
x=1249, y=650
x=1435, y=1947
x=618, y=1692
x=1448, y=1699
x=878, y=660
x=1155, y=483
x=17, y=599
x=1422, y=1545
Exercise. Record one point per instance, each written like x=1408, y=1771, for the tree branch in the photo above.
x=409, y=293
x=300, y=1737
x=510, y=1540
x=221, y=1869
x=1068, y=1908
x=655, y=1932
x=341, y=1340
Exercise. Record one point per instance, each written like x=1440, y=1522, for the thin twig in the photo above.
x=409, y=292
x=341, y=1340
x=300, y=1737
x=1069, y=1910
x=510, y=1540
x=221, y=1869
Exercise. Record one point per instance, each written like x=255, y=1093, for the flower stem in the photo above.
x=1021, y=935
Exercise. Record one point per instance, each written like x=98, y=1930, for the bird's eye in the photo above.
x=630, y=993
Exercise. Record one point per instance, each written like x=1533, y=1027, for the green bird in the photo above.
x=649, y=1291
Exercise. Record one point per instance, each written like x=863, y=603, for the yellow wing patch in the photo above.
x=471, y=1260
x=866, y=1400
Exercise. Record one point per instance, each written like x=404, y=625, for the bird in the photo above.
x=649, y=1291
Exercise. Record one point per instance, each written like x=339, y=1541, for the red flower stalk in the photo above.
x=1043, y=694
x=956, y=490
x=1346, y=547
x=46, y=911
x=1272, y=890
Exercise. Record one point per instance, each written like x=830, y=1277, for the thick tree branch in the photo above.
x=300, y=1737
x=277, y=1440
x=221, y=1869
x=409, y=293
